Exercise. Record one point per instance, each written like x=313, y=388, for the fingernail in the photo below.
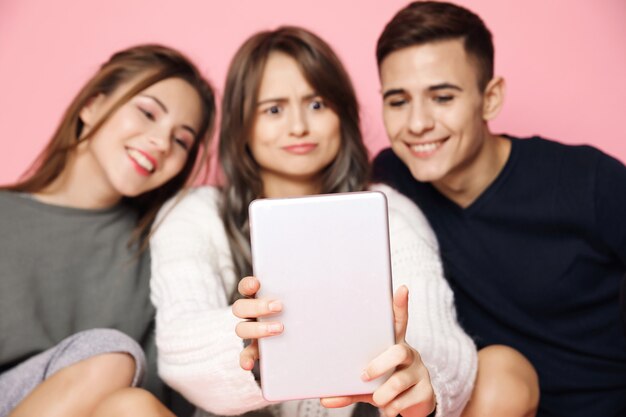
x=275, y=328
x=275, y=306
x=365, y=376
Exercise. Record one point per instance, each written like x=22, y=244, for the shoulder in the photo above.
x=572, y=167
x=10, y=202
x=388, y=168
x=405, y=214
x=203, y=200
x=15, y=214
x=552, y=150
x=386, y=165
x=386, y=156
x=395, y=200
x=193, y=211
x=6, y=195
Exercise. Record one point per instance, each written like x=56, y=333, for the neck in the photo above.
x=280, y=187
x=464, y=185
x=82, y=184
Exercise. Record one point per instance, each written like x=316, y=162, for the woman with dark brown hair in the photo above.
x=290, y=127
x=74, y=297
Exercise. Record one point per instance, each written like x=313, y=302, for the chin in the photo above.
x=126, y=191
x=425, y=175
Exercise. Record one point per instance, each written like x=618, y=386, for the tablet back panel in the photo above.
x=327, y=259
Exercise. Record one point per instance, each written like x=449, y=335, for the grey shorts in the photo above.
x=19, y=381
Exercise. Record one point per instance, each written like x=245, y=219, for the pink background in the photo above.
x=564, y=60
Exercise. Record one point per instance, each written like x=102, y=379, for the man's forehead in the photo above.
x=423, y=66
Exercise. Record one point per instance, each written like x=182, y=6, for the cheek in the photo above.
x=260, y=151
x=393, y=122
x=333, y=148
x=175, y=165
x=463, y=120
x=333, y=132
x=100, y=147
x=265, y=132
x=265, y=137
x=332, y=139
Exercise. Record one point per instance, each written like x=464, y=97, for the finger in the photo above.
x=248, y=286
x=249, y=355
x=397, y=355
x=337, y=402
x=252, y=308
x=401, y=312
x=257, y=330
x=417, y=401
x=397, y=383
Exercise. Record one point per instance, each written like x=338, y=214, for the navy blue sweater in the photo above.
x=536, y=263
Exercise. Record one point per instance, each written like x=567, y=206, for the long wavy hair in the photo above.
x=142, y=66
x=241, y=174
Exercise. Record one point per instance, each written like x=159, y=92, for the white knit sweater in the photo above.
x=198, y=350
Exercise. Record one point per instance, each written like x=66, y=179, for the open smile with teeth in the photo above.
x=141, y=159
x=426, y=147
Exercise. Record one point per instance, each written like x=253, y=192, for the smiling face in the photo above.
x=144, y=143
x=295, y=134
x=435, y=115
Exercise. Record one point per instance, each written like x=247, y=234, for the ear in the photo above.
x=92, y=111
x=493, y=98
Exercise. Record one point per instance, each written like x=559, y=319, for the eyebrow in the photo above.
x=190, y=130
x=162, y=106
x=436, y=87
x=393, y=92
x=444, y=86
x=284, y=99
x=157, y=101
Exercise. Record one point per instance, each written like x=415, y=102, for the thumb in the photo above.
x=401, y=312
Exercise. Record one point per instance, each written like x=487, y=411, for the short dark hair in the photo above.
x=430, y=21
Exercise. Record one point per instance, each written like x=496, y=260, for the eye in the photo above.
x=275, y=109
x=317, y=104
x=149, y=115
x=443, y=99
x=182, y=143
x=397, y=102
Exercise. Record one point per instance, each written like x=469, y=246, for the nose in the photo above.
x=420, y=119
x=299, y=123
x=160, y=141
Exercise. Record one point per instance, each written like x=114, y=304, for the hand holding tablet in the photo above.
x=408, y=390
x=324, y=294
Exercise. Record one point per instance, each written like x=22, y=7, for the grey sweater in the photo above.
x=63, y=270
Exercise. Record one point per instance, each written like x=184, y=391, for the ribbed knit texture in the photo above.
x=193, y=273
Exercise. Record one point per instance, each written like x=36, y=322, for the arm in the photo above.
x=610, y=204
x=433, y=329
x=198, y=351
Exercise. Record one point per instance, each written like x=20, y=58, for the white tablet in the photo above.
x=326, y=258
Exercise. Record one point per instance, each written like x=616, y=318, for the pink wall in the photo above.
x=564, y=60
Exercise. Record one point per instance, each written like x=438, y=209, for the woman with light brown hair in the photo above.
x=290, y=127
x=74, y=292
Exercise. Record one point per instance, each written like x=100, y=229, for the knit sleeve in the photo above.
x=198, y=350
x=433, y=330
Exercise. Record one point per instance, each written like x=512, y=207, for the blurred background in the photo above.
x=564, y=60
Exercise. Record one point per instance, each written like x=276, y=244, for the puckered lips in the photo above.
x=143, y=162
x=301, y=148
x=425, y=149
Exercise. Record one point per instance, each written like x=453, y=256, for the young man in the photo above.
x=532, y=232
